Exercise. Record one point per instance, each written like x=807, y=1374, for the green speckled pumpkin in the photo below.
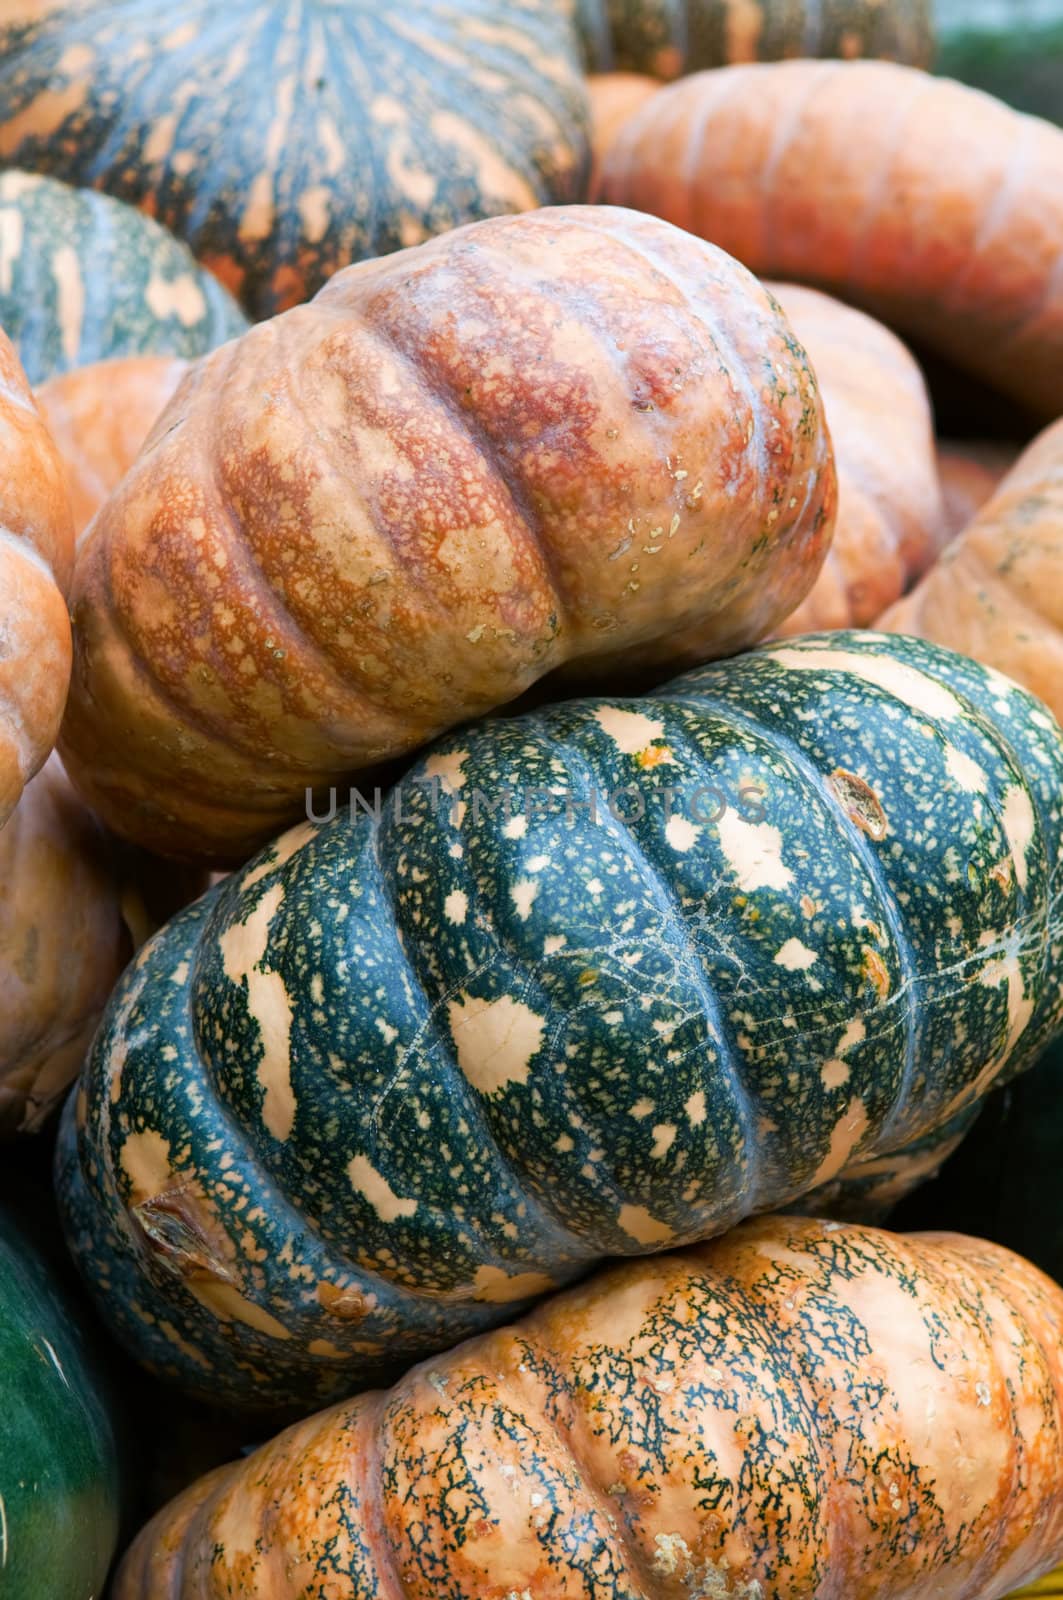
x=667, y=38
x=286, y=138
x=59, y=1458
x=84, y=278
x=598, y=980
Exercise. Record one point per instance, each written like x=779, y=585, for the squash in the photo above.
x=36, y=556
x=614, y=96
x=577, y=436
x=970, y=472
x=284, y=142
x=997, y=592
x=800, y=1409
x=597, y=980
x=86, y=278
x=60, y=1483
x=933, y=207
x=890, y=513
x=99, y=417
x=668, y=37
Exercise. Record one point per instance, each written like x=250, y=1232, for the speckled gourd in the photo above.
x=997, y=592
x=575, y=439
x=284, y=140
x=84, y=278
x=669, y=37
x=932, y=206
x=100, y=416
x=801, y=1410
x=36, y=557
x=889, y=526
x=403, y=1070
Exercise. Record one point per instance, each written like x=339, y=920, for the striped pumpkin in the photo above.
x=594, y=981
x=282, y=141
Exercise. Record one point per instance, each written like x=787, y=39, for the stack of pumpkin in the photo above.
x=609, y=920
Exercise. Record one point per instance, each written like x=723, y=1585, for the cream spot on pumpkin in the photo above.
x=663, y=1139
x=387, y=1032
x=189, y=1351
x=855, y=1033
x=642, y=1226
x=515, y=827
x=449, y=768
x=282, y=850
x=495, y=1040
x=795, y=956
x=498, y=1288
x=553, y=943
x=242, y=948
x=754, y=852
x=835, y=1073
x=523, y=895
x=325, y=1347
x=906, y=683
x=146, y=1162
x=367, y=1181
x=70, y=289
x=681, y=833
x=847, y=1134
x=963, y=771
x=181, y=298
x=1018, y=822
x=630, y=731
x=456, y=906
x=641, y=1109
x=695, y=1108
x=226, y=1302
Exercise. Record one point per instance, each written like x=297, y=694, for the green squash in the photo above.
x=596, y=981
x=285, y=140
x=84, y=278
x=1012, y=49
x=1006, y=1182
x=59, y=1456
x=667, y=38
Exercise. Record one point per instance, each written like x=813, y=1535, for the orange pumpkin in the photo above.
x=997, y=592
x=931, y=205
x=614, y=96
x=969, y=474
x=36, y=552
x=888, y=528
x=99, y=416
x=577, y=437
x=799, y=1410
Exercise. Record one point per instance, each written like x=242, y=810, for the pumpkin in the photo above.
x=970, y=472
x=59, y=1465
x=800, y=1409
x=283, y=142
x=36, y=555
x=85, y=278
x=99, y=417
x=930, y=205
x=614, y=96
x=668, y=37
x=594, y=981
x=574, y=436
x=997, y=592
x=888, y=528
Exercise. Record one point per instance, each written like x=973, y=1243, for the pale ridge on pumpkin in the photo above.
x=648, y=1072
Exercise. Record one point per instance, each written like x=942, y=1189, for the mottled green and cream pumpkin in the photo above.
x=60, y=1485
x=597, y=980
x=284, y=139
x=799, y=1411
x=667, y=38
x=85, y=278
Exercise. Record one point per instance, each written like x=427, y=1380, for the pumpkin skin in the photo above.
x=667, y=38
x=59, y=1464
x=866, y=180
x=400, y=1071
x=36, y=557
x=282, y=142
x=888, y=527
x=746, y=1418
x=86, y=278
x=970, y=471
x=573, y=437
x=997, y=592
x=614, y=96
x=99, y=417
